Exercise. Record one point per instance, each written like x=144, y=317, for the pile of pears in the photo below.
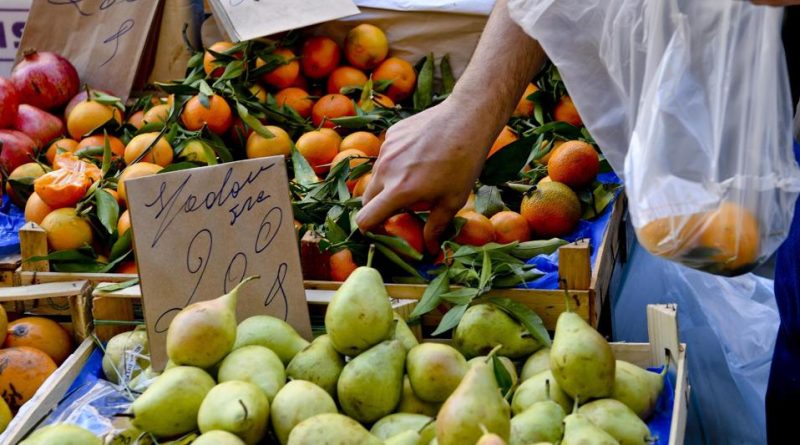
x=369, y=381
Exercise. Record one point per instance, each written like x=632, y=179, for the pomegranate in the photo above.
x=9, y=101
x=17, y=149
x=45, y=80
x=40, y=125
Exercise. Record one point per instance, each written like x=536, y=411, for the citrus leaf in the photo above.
x=464, y=295
x=75, y=255
x=486, y=270
x=423, y=94
x=185, y=165
x=505, y=164
x=399, y=245
x=451, y=319
x=122, y=246
x=252, y=122
x=525, y=315
x=393, y=257
x=106, y=153
x=448, y=79
x=303, y=173
x=488, y=201
x=432, y=295
x=107, y=209
x=108, y=287
x=529, y=249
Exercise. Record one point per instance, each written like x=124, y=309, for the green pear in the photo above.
x=581, y=359
x=397, y=423
x=409, y=437
x=536, y=363
x=541, y=422
x=126, y=355
x=535, y=390
x=578, y=430
x=254, y=364
x=169, y=406
x=403, y=333
x=318, y=363
x=296, y=402
x=360, y=314
x=218, y=437
x=435, y=370
x=143, y=379
x=331, y=429
x=62, y=434
x=507, y=363
x=490, y=439
x=637, y=388
x=485, y=326
x=615, y=418
x=203, y=333
x=237, y=407
x=411, y=403
x=270, y=332
x=476, y=403
x=370, y=384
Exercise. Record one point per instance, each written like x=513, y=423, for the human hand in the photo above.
x=776, y=2
x=432, y=157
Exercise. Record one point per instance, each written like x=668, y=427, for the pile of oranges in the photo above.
x=32, y=349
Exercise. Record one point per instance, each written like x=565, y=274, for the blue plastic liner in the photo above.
x=661, y=420
x=593, y=230
x=11, y=220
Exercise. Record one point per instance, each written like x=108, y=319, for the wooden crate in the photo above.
x=66, y=302
x=586, y=286
x=8, y=266
x=120, y=310
x=33, y=243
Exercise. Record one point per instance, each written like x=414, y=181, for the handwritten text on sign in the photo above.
x=199, y=232
x=103, y=36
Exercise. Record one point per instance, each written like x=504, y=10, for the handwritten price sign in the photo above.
x=106, y=40
x=199, y=232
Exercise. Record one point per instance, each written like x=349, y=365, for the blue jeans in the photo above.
x=783, y=391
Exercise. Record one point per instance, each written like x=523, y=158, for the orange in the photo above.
x=361, y=185
x=296, y=99
x=574, y=163
x=284, y=75
x=66, y=230
x=546, y=158
x=127, y=267
x=362, y=140
x=158, y=113
x=320, y=56
x=22, y=371
x=505, y=137
x=258, y=146
x=350, y=153
x=470, y=204
x=89, y=115
x=734, y=234
x=137, y=119
x=41, y=333
x=259, y=92
x=300, y=82
x=366, y=46
x=524, y=106
x=99, y=140
x=217, y=116
x=342, y=265
x=135, y=171
x=330, y=107
x=565, y=111
x=63, y=145
x=63, y=187
x=345, y=76
x=209, y=60
x=670, y=237
x=195, y=151
x=545, y=179
x=402, y=75
x=24, y=172
x=382, y=100
x=36, y=209
x=332, y=133
x=509, y=227
x=160, y=154
x=552, y=209
x=408, y=227
x=123, y=223
x=476, y=231
x=318, y=148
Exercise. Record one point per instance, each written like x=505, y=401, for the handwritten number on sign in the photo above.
x=124, y=28
x=200, y=261
x=268, y=230
x=277, y=291
x=232, y=278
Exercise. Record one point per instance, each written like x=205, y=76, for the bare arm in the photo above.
x=436, y=156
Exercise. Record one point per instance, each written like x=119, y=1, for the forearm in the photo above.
x=503, y=64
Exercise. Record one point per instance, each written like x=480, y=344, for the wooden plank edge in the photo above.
x=48, y=395
x=680, y=410
x=28, y=277
x=606, y=248
x=41, y=291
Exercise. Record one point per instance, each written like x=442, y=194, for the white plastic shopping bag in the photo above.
x=690, y=100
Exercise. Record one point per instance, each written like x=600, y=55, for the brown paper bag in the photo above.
x=109, y=41
x=172, y=52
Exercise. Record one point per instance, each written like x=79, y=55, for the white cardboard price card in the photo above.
x=197, y=233
x=249, y=19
